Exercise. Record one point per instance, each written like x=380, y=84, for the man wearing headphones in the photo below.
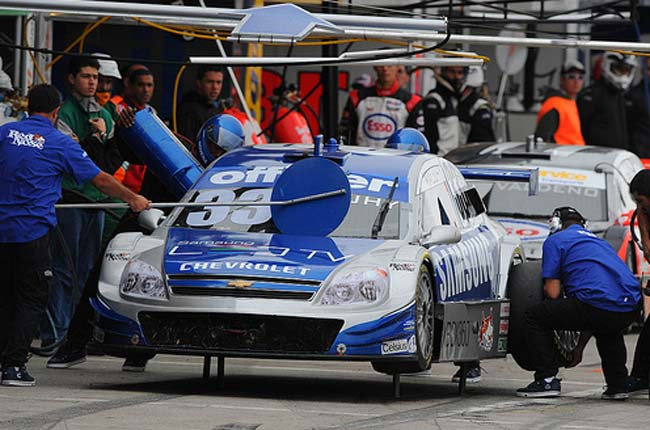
x=601, y=295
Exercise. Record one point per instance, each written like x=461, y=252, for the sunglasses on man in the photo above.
x=574, y=76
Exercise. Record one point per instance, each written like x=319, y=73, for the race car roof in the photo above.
x=540, y=155
x=374, y=169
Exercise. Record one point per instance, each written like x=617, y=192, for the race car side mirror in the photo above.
x=150, y=219
x=441, y=234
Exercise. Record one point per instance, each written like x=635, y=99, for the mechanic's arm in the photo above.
x=109, y=185
x=106, y=155
x=644, y=225
x=431, y=113
x=547, y=126
x=552, y=288
x=482, y=130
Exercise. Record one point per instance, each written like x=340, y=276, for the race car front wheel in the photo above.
x=424, y=324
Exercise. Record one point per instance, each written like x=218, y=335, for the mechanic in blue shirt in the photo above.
x=34, y=156
x=602, y=297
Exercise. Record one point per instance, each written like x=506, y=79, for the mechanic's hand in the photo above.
x=98, y=124
x=126, y=117
x=75, y=137
x=139, y=203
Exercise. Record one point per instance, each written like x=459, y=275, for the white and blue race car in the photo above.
x=415, y=273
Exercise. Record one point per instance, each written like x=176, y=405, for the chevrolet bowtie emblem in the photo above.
x=240, y=283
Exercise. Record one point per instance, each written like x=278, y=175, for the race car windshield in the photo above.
x=364, y=209
x=512, y=199
x=357, y=222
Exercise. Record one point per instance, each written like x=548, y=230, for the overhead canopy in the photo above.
x=285, y=23
x=246, y=25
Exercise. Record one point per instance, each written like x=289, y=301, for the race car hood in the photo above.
x=258, y=255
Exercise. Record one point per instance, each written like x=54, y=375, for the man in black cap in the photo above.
x=558, y=120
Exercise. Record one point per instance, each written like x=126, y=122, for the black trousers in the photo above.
x=641, y=366
x=572, y=314
x=27, y=272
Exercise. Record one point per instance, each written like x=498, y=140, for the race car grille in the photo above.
x=236, y=332
x=236, y=292
x=250, y=287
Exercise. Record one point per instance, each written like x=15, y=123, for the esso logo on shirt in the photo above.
x=379, y=126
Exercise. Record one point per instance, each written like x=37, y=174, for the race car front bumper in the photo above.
x=391, y=337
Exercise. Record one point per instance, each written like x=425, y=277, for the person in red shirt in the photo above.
x=137, y=96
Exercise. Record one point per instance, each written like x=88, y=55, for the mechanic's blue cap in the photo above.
x=222, y=131
x=408, y=139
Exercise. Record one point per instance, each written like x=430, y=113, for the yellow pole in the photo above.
x=253, y=78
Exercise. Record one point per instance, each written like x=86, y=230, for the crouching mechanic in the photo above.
x=34, y=156
x=601, y=296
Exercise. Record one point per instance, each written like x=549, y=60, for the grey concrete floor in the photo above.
x=274, y=394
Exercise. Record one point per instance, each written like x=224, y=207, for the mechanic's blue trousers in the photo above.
x=26, y=274
x=72, y=261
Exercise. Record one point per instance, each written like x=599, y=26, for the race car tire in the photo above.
x=424, y=330
x=526, y=289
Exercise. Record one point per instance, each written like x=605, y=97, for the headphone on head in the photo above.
x=560, y=216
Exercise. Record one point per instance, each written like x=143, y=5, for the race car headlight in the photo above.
x=362, y=286
x=140, y=279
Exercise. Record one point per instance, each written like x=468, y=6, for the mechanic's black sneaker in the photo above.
x=612, y=393
x=473, y=375
x=17, y=377
x=635, y=384
x=64, y=359
x=134, y=364
x=541, y=388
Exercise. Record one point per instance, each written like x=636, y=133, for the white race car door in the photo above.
x=466, y=270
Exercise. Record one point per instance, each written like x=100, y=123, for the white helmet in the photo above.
x=475, y=76
x=618, y=69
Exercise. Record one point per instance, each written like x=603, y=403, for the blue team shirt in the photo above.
x=34, y=156
x=590, y=270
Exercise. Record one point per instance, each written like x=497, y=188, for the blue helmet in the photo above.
x=408, y=139
x=218, y=134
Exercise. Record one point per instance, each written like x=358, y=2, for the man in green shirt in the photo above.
x=78, y=244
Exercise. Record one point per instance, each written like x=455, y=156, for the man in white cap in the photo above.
x=108, y=73
x=558, y=120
